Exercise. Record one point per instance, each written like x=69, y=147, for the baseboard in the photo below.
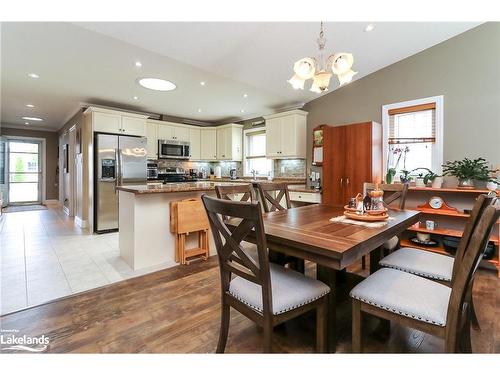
x=81, y=223
x=52, y=202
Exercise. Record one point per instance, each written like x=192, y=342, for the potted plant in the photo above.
x=467, y=171
x=404, y=176
x=391, y=171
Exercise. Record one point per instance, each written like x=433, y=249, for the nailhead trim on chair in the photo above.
x=426, y=275
x=398, y=312
x=282, y=311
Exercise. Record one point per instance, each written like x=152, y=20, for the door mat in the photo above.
x=31, y=207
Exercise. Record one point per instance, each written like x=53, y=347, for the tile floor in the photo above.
x=44, y=256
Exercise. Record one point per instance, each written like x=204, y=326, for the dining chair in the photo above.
x=421, y=303
x=398, y=192
x=266, y=293
x=276, y=197
x=440, y=267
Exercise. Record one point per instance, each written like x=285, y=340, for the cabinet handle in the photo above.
x=347, y=181
x=341, y=180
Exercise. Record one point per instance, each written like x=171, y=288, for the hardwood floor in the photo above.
x=177, y=311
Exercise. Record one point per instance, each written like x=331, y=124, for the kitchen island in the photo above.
x=145, y=239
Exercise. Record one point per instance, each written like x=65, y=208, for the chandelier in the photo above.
x=318, y=69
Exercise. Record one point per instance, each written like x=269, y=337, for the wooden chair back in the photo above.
x=232, y=257
x=457, y=306
x=271, y=203
x=398, y=191
x=228, y=191
x=481, y=203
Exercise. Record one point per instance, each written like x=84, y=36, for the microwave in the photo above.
x=173, y=149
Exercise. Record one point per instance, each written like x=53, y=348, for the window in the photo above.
x=413, y=135
x=255, y=153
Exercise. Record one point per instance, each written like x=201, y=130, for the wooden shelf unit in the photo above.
x=450, y=215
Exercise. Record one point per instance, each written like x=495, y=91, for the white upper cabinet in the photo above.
x=208, y=144
x=116, y=122
x=152, y=140
x=229, y=142
x=133, y=126
x=171, y=132
x=194, y=144
x=106, y=122
x=286, y=135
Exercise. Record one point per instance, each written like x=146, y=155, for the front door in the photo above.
x=24, y=171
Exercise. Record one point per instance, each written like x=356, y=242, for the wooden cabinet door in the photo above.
x=152, y=140
x=194, y=144
x=208, y=144
x=133, y=126
x=358, y=158
x=107, y=122
x=334, y=172
x=273, y=137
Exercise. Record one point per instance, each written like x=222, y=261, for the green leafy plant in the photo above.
x=468, y=169
x=405, y=176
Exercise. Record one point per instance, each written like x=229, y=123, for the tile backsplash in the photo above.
x=289, y=168
x=282, y=168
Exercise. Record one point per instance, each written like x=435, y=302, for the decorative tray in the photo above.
x=369, y=212
x=365, y=216
x=428, y=243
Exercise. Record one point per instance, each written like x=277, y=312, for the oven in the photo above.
x=173, y=149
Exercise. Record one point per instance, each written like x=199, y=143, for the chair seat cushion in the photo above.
x=405, y=294
x=391, y=244
x=420, y=262
x=290, y=290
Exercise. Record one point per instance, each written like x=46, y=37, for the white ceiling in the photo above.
x=94, y=63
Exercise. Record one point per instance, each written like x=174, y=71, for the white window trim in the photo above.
x=437, y=160
x=259, y=129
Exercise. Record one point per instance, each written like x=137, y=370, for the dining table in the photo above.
x=308, y=233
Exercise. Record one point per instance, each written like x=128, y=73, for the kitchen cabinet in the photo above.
x=194, y=143
x=133, y=126
x=152, y=140
x=106, y=122
x=208, y=144
x=298, y=196
x=352, y=155
x=229, y=142
x=169, y=131
x=286, y=135
x=115, y=122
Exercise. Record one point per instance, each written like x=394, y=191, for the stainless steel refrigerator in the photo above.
x=119, y=160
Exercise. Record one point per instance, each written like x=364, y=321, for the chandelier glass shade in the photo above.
x=318, y=69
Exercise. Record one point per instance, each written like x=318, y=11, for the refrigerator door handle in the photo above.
x=118, y=170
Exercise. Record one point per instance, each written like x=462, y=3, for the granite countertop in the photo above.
x=175, y=187
x=247, y=180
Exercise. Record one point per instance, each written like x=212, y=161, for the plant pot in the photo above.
x=491, y=186
x=437, y=183
x=466, y=184
x=419, y=182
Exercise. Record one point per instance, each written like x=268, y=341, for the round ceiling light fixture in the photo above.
x=30, y=106
x=32, y=118
x=157, y=84
x=33, y=75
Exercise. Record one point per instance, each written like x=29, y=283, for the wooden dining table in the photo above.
x=307, y=233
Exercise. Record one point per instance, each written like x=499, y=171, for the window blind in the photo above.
x=415, y=124
x=256, y=144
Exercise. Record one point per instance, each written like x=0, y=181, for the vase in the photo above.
x=419, y=182
x=466, y=183
x=437, y=183
x=388, y=178
x=491, y=186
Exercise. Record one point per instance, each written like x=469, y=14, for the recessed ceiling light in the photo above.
x=26, y=123
x=33, y=75
x=245, y=95
x=138, y=64
x=199, y=110
x=30, y=106
x=157, y=84
x=136, y=97
x=203, y=83
x=369, y=27
x=32, y=118
x=242, y=111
